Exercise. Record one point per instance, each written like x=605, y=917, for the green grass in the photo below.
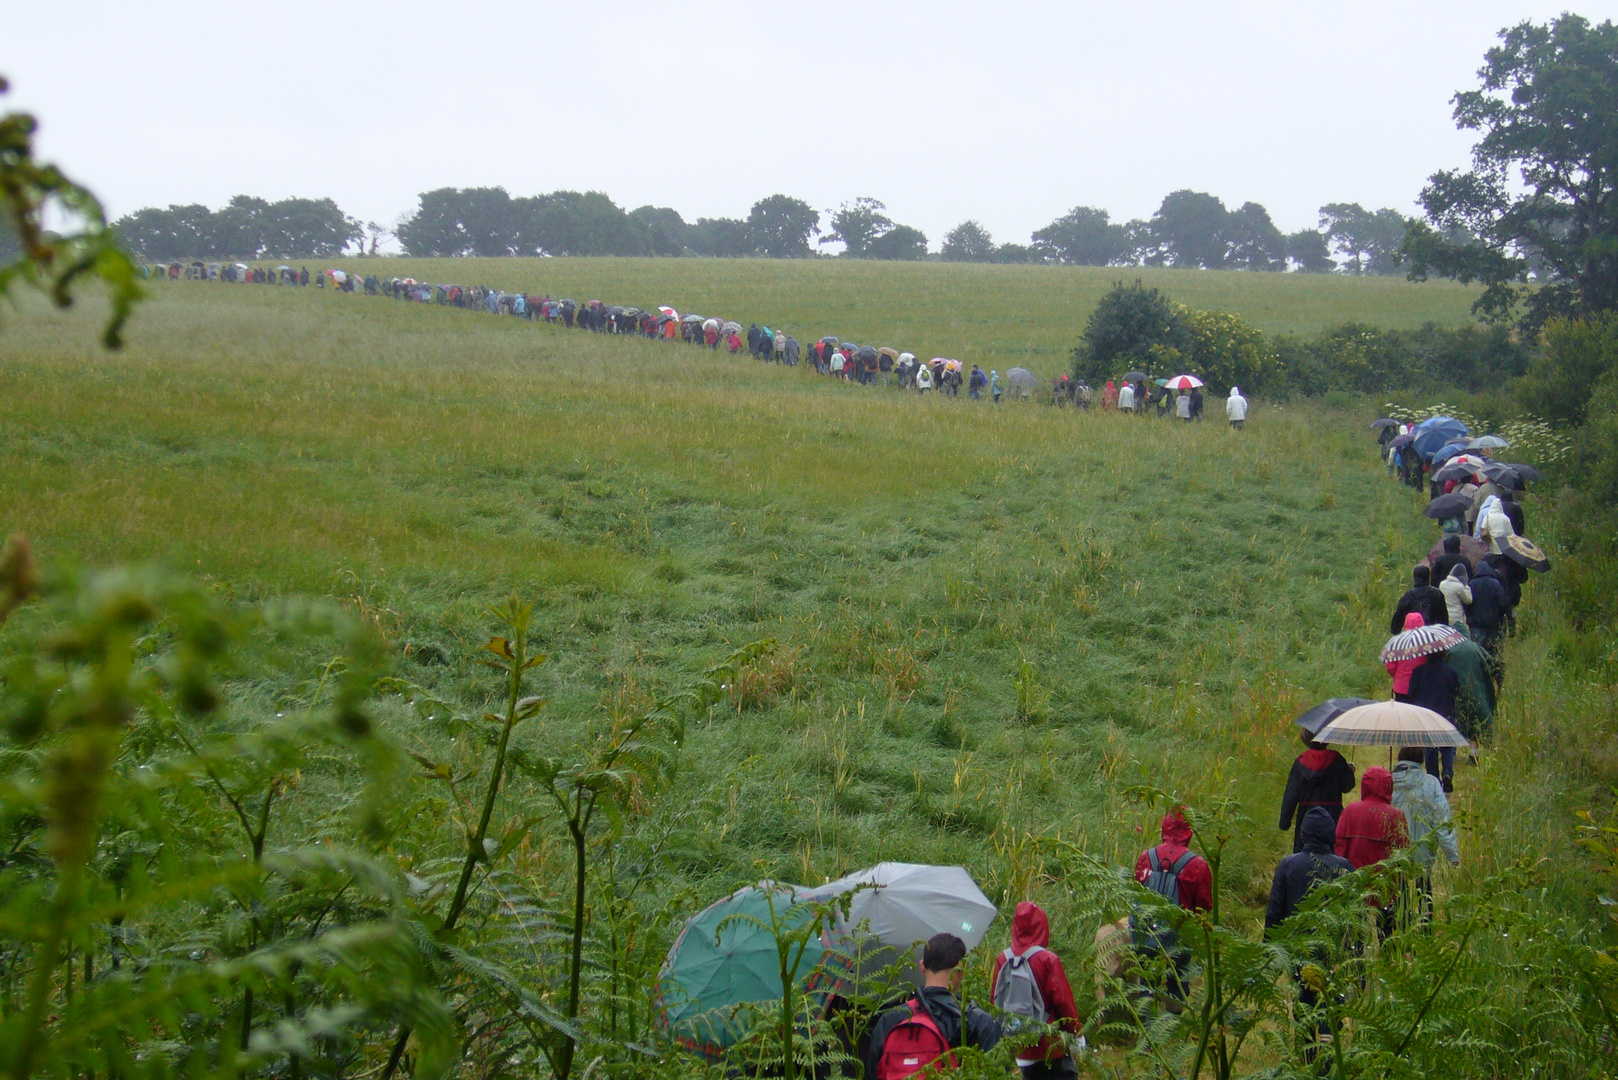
x=1178, y=593
x=999, y=316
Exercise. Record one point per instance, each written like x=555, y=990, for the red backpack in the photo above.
x=913, y=1045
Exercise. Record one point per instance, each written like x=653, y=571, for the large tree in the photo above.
x=857, y=224
x=1368, y=240
x=1132, y=326
x=968, y=242
x=1084, y=237
x=465, y=221
x=1540, y=197
x=1190, y=229
x=1255, y=242
x=781, y=227
x=902, y=242
x=1307, y=248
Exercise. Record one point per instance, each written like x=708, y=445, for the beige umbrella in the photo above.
x=1390, y=724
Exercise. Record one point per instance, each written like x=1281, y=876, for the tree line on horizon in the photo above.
x=1190, y=229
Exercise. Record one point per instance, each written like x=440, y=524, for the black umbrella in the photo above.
x=1505, y=476
x=1447, y=506
x=1524, y=552
x=1382, y=423
x=1527, y=472
x=1134, y=376
x=1327, y=711
x=1455, y=472
x=1401, y=442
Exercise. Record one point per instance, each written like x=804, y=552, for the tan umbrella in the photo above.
x=1391, y=723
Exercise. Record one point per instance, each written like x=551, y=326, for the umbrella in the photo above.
x=692, y=319
x=890, y=351
x=1527, y=472
x=1391, y=723
x=1382, y=423
x=1183, y=382
x=900, y=905
x=1134, y=376
x=1445, y=452
x=1435, y=431
x=1447, y=506
x=1022, y=380
x=710, y=971
x=830, y=341
x=1327, y=711
x=1473, y=548
x=1524, y=552
x=1422, y=641
x=664, y=309
x=711, y=324
x=1401, y=442
x=731, y=328
x=1504, y=476
x=1455, y=471
x=1487, y=442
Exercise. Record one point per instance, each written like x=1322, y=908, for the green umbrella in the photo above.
x=710, y=971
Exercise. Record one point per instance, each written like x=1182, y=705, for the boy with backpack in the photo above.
x=1029, y=982
x=923, y=1033
x=1176, y=873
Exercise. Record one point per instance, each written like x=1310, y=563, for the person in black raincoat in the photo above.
x=1421, y=598
x=1319, y=779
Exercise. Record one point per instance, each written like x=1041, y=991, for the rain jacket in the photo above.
x=1307, y=867
x=1434, y=686
x=1236, y=405
x=994, y=383
x=1495, y=527
x=1030, y=927
x=1422, y=599
x=982, y=1030
x=1401, y=670
x=1474, y=702
x=1457, y=594
x=1372, y=828
x=1489, y=601
x=1318, y=781
x=1420, y=796
x=1126, y=396
x=924, y=378
x=1196, y=880
x=1182, y=407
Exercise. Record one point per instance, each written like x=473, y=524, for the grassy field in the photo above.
x=995, y=315
x=991, y=619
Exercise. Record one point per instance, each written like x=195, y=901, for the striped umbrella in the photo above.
x=1391, y=723
x=1421, y=641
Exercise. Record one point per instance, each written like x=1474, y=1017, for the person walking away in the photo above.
x=1109, y=396
x=1319, y=779
x=1457, y=594
x=1196, y=403
x=710, y=337
x=1422, y=599
x=1486, y=615
x=1236, y=408
x=1182, y=406
x=1312, y=864
x=1434, y=686
x=1420, y=797
x=924, y=379
x=1162, y=398
x=837, y=363
x=884, y=364
x=1402, y=670
x=1478, y=679
x=734, y=343
x=975, y=385
x=1029, y=981
x=1085, y=395
x=1372, y=829
x=1126, y=398
x=753, y=336
x=1494, y=526
x=924, y=1031
x=995, y=389
x=791, y=351
x=1452, y=557
x=1175, y=872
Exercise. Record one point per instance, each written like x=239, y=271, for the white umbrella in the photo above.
x=1422, y=641
x=1391, y=723
x=1184, y=382
x=905, y=903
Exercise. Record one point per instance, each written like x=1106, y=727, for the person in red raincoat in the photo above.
x=1372, y=829
x=734, y=343
x=1196, y=880
x=1047, y=1058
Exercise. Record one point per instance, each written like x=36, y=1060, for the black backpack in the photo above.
x=1149, y=931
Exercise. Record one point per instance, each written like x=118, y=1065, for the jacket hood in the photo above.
x=1318, y=831
x=1176, y=828
x=1483, y=569
x=1235, y=391
x=1414, y=621
x=1421, y=575
x=1029, y=927
x=1317, y=760
x=1377, y=784
x=1458, y=573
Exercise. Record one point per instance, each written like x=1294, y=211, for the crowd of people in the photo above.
x=867, y=365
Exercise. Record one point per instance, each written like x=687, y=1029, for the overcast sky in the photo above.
x=1007, y=112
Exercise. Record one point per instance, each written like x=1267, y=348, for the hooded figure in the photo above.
x=1487, y=614
x=1109, y=395
x=1196, y=880
x=924, y=379
x=1318, y=781
x=1422, y=599
x=1457, y=594
x=995, y=389
x=1030, y=929
x=1236, y=407
x=1401, y=670
x=1310, y=865
x=1126, y=397
x=1372, y=828
x=1420, y=797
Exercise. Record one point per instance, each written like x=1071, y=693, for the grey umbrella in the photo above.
x=1487, y=442
x=1134, y=376
x=1023, y=382
x=900, y=904
x=1384, y=422
x=1527, y=472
